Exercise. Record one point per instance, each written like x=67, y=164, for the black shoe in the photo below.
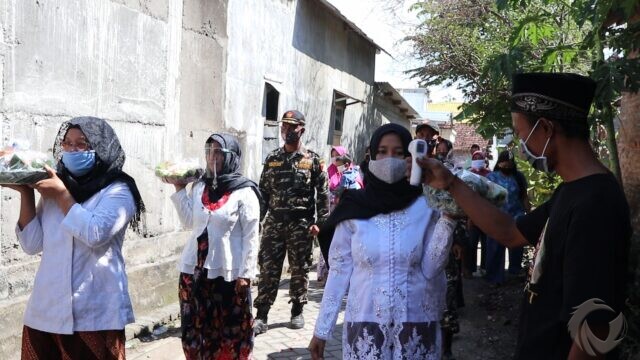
x=260, y=325
x=297, y=320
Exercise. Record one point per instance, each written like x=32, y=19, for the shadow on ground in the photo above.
x=297, y=353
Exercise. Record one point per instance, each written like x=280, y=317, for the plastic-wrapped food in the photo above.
x=179, y=172
x=20, y=166
x=442, y=200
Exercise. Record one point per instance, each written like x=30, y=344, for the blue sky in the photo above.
x=387, y=22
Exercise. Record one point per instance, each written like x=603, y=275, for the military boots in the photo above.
x=297, y=320
x=260, y=325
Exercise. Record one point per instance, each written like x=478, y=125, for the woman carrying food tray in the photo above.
x=220, y=258
x=80, y=302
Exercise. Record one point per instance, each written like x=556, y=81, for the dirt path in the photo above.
x=489, y=320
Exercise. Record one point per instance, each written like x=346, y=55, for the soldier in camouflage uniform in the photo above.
x=294, y=185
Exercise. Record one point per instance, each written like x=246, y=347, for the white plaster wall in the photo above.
x=306, y=53
x=155, y=70
x=165, y=73
x=86, y=57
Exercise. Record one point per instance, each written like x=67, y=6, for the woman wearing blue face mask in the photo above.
x=389, y=249
x=80, y=303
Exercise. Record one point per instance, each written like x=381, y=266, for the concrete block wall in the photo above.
x=166, y=73
x=155, y=70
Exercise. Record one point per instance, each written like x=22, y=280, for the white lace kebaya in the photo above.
x=393, y=266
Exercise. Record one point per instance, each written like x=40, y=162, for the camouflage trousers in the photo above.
x=278, y=238
x=454, y=298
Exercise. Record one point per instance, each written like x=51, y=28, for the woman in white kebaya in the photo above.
x=389, y=250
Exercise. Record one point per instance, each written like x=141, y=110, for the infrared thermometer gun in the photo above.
x=418, y=149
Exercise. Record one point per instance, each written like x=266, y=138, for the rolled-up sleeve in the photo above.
x=97, y=227
x=249, y=222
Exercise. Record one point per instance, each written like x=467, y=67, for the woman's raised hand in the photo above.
x=434, y=173
x=52, y=187
x=55, y=189
x=179, y=187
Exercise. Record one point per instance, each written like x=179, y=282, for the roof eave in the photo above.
x=353, y=26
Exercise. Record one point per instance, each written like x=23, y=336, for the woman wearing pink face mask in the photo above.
x=342, y=175
x=334, y=174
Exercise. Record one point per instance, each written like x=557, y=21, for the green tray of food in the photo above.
x=179, y=173
x=23, y=167
x=442, y=200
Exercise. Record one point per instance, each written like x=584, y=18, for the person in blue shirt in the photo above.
x=350, y=175
x=506, y=174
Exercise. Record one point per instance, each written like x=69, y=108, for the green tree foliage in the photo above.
x=540, y=185
x=480, y=44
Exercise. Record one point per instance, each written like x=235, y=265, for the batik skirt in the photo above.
x=216, y=322
x=81, y=345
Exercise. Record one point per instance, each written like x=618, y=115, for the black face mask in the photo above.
x=292, y=137
x=431, y=145
x=506, y=170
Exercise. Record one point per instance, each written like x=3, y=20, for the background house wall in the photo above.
x=306, y=52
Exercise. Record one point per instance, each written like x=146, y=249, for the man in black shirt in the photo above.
x=581, y=234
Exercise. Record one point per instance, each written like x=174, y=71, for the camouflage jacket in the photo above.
x=295, y=183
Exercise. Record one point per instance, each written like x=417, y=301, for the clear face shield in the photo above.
x=214, y=155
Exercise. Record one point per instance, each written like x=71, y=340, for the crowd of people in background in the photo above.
x=399, y=261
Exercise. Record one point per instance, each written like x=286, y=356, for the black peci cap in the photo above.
x=561, y=96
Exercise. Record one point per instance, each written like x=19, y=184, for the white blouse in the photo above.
x=232, y=229
x=81, y=284
x=393, y=267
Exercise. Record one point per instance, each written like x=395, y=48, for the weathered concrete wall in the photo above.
x=155, y=70
x=306, y=53
x=166, y=73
